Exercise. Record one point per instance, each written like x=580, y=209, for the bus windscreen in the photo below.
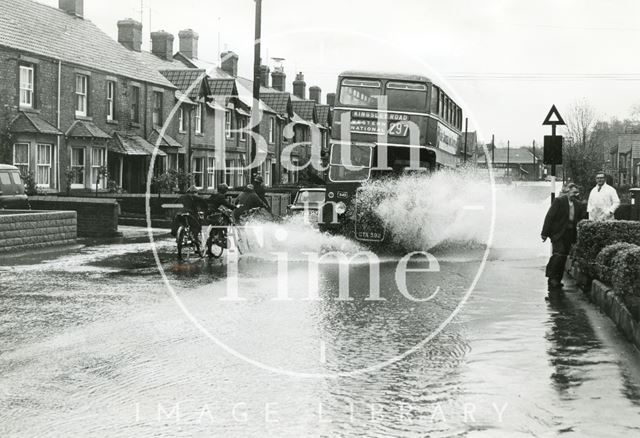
x=360, y=93
x=406, y=96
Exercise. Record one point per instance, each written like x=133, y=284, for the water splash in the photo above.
x=422, y=211
x=294, y=236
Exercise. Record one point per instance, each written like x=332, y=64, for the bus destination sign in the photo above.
x=372, y=122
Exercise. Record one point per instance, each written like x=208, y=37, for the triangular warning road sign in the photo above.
x=553, y=118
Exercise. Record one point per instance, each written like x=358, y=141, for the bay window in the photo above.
x=43, y=165
x=98, y=160
x=21, y=157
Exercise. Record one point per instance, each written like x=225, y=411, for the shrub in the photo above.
x=593, y=236
x=183, y=180
x=604, y=260
x=626, y=271
x=29, y=180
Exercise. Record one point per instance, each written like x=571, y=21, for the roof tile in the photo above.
x=43, y=30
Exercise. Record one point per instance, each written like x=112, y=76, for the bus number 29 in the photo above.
x=399, y=129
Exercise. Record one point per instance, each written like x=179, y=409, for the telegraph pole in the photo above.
x=255, y=107
x=535, y=173
x=493, y=150
x=466, y=131
x=508, y=151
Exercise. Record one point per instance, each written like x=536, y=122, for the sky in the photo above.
x=504, y=61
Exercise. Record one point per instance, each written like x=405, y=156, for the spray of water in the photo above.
x=422, y=211
x=295, y=236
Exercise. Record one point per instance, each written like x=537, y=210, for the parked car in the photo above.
x=12, y=193
x=308, y=200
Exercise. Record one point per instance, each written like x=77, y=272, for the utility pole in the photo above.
x=508, y=150
x=493, y=150
x=466, y=131
x=534, y=175
x=255, y=107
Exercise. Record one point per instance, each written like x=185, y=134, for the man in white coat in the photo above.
x=603, y=200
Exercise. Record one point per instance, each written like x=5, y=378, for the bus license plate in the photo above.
x=370, y=235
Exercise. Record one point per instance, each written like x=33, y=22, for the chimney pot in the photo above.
x=130, y=34
x=278, y=79
x=73, y=7
x=162, y=45
x=300, y=86
x=230, y=63
x=314, y=94
x=189, y=43
x=264, y=75
x=331, y=99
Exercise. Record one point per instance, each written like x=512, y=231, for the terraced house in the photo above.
x=74, y=102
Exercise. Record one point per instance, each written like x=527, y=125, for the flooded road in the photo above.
x=94, y=344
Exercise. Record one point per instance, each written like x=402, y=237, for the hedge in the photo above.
x=594, y=236
x=604, y=263
x=626, y=271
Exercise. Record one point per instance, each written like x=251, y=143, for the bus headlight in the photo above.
x=341, y=207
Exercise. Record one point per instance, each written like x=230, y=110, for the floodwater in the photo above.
x=93, y=342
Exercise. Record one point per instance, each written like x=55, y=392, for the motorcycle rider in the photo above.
x=248, y=200
x=216, y=201
x=219, y=199
x=192, y=204
x=259, y=188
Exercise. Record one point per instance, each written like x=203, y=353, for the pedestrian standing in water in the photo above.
x=603, y=200
x=560, y=226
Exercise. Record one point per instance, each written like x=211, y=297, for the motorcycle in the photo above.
x=187, y=238
x=224, y=221
x=218, y=232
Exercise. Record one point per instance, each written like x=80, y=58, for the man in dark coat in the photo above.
x=219, y=199
x=246, y=201
x=258, y=182
x=560, y=225
x=192, y=204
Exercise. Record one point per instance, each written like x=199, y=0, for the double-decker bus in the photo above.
x=384, y=125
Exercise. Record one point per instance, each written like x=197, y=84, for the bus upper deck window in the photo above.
x=407, y=96
x=360, y=93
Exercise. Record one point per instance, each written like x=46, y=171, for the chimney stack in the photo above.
x=162, y=45
x=264, y=75
x=189, y=43
x=230, y=63
x=130, y=34
x=278, y=79
x=331, y=99
x=72, y=7
x=314, y=94
x=300, y=86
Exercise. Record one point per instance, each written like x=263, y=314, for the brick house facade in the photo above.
x=75, y=102
x=63, y=107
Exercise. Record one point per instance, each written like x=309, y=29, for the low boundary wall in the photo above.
x=28, y=229
x=96, y=217
x=612, y=305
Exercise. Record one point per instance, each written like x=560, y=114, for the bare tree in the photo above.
x=583, y=152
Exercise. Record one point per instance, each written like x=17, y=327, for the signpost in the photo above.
x=553, y=145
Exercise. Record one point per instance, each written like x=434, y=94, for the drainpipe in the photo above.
x=187, y=165
x=58, y=126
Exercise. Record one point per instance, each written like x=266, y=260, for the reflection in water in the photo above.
x=572, y=339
